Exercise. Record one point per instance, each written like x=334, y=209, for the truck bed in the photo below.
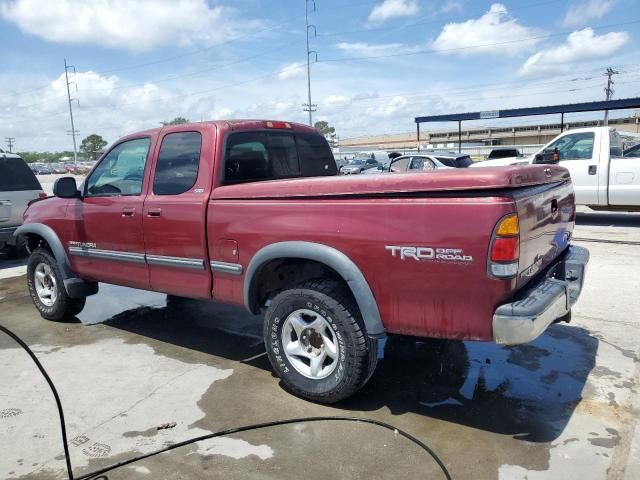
x=453, y=180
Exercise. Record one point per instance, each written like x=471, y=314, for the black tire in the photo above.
x=357, y=355
x=63, y=307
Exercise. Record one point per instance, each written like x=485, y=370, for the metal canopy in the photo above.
x=525, y=112
x=621, y=104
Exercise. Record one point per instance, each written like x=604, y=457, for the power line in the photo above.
x=431, y=51
x=73, y=129
x=10, y=142
x=309, y=107
x=609, y=90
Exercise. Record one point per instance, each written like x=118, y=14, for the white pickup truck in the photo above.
x=602, y=178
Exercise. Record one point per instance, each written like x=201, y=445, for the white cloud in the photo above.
x=451, y=6
x=392, y=9
x=370, y=49
x=580, y=45
x=581, y=13
x=291, y=71
x=135, y=26
x=495, y=29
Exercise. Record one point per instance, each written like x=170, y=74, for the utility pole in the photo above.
x=73, y=129
x=10, y=141
x=608, y=90
x=309, y=107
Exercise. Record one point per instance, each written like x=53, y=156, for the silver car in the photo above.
x=18, y=186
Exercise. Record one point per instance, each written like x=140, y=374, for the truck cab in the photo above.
x=602, y=177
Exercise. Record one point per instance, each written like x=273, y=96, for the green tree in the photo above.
x=175, y=121
x=92, y=145
x=327, y=130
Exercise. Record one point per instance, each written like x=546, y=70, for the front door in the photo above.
x=108, y=244
x=175, y=214
x=578, y=155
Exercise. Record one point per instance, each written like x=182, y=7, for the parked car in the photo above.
x=504, y=152
x=58, y=167
x=18, y=186
x=359, y=164
x=603, y=178
x=424, y=162
x=333, y=263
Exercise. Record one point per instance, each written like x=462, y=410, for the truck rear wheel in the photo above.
x=46, y=287
x=317, y=343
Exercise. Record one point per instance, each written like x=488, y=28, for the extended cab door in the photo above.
x=175, y=213
x=579, y=154
x=107, y=244
x=624, y=174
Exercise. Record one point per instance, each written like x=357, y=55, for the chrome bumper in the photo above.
x=540, y=304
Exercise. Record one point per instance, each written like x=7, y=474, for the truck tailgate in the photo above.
x=547, y=215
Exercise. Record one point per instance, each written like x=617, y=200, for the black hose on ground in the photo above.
x=230, y=431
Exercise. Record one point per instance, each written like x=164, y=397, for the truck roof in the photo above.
x=231, y=124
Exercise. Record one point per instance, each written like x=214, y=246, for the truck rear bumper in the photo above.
x=544, y=301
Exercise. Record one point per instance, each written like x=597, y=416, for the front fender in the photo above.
x=75, y=287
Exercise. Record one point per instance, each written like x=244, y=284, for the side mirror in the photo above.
x=65, y=187
x=548, y=157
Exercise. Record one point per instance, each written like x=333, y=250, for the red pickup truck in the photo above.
x=253, y=213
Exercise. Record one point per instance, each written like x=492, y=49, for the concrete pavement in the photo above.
x=564, y=406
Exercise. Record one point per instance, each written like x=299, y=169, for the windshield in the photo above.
x=503, y=153
x=356, y=161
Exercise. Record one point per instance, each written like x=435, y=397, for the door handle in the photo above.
x=128, y=212
x=593, y=169
x=154, y=212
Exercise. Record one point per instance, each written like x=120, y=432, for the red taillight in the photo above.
x=42, y=195
x=505, y=249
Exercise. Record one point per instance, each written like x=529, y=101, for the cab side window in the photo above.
x=121, y=171
x=177, y=165
x=574, y=146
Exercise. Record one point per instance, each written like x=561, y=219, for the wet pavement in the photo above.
x=564, y=406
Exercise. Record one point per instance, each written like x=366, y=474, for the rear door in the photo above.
x=579, y=154
x=420, y=164
x=174, y=219
x=624, y=173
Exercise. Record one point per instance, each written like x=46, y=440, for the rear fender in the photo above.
x=329, y=256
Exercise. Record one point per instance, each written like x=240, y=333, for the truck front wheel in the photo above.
x=316, y=342
x=46, y=287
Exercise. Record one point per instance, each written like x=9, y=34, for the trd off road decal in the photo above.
x=454, y=255
x=82, y=244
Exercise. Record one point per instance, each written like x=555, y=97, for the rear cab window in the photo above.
x=16, y=176
x=257, y=156
x=177, y=164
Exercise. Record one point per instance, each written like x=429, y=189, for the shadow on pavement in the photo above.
x=608, y=219
x=525, y=391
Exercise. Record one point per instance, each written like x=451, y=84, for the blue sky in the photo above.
x=380, y=63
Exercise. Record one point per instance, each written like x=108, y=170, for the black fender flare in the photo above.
x=75, y=287
x=329, y=256
x=49, y=236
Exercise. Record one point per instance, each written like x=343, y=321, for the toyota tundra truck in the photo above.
x=253, y=213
